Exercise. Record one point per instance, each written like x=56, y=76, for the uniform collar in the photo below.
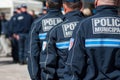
x=52, y=10
x=73, y=13
x=107, y=9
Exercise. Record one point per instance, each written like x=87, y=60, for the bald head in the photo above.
x=107, y=2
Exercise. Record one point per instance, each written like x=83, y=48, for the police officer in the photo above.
x=12, y=33
x=97, y=44
x=24, y=24
x=38, y=34
x=53, y=57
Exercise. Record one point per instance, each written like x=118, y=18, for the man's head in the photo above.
x=18, y=9
x=87, y=12
x=107, y=2
x=23, y=7
x=3, y=16
x=54, y=4
x=31, y=12
x=44, y=10
x=70, y=5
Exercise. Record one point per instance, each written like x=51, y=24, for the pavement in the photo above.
x=12, y=71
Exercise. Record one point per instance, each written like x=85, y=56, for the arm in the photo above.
x=76, y=61
x=34, y=50
x=48, y=58
x=117, y=60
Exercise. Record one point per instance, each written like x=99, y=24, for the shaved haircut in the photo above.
x=108, y=2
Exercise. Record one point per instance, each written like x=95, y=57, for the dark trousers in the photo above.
x=15, y=50
x=23, y=42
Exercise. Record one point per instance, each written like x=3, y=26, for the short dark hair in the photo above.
x=73, y=5
x=52, y=4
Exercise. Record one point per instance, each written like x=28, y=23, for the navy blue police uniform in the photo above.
x=12, y=30
x=37, y=35
x=24, y=25
x=53, y=57
x=14, y=23
x=96, y=49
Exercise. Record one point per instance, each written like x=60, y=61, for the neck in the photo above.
x=68, y=10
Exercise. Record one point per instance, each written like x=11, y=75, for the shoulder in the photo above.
x=86, y=21
x=39, y=19
x=55, y=29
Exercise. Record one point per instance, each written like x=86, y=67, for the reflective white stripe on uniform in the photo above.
x=63, y=45
x=42, y=36
x=102, y=42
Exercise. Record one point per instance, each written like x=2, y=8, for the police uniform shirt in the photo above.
x=57, y=46
x=99, y=38
x=38, y=33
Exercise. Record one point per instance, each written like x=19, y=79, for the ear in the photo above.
x=47, y=5
x=65, y=7
x=96, y=3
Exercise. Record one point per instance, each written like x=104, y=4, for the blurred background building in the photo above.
x=8, y=6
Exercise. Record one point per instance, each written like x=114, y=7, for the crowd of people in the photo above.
x=67, y=42
x=14, y=33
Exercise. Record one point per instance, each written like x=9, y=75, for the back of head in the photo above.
x=54, y=4
x=87, y=12
x=73, y=4
x=107, y=2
